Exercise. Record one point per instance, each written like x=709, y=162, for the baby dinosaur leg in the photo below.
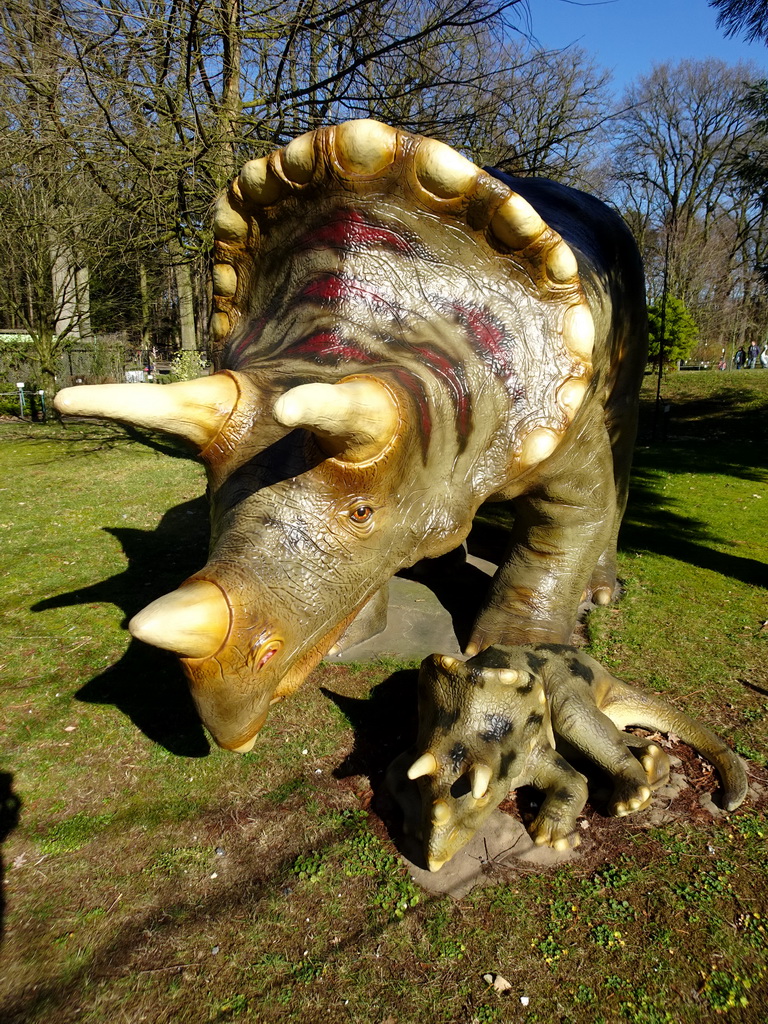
x=595, y=736
x=651, y=757
x=566, y=794
x=625, y=705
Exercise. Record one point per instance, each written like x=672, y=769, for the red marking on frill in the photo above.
x=329, y=347
x=453, y=375
x=350, y=230
x=414, y=386
x=249, y=339
x=490, y=340
x=333, y=289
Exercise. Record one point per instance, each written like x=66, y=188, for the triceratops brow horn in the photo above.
x=355, y=419
x=194, y=621
x=193, y=409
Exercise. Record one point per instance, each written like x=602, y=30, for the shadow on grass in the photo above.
x=79, y=438
x=145, y=944
x=10, y=806
x=731, y=412
x=652, y=526
x=385, y=723
x=147, y=684
x=723, y=432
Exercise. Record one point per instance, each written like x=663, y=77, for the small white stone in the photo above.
x=524, y=1000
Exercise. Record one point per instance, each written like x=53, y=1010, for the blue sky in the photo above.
x=630, y=36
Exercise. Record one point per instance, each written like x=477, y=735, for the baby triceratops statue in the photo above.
x=400, y=336
x=503, y=720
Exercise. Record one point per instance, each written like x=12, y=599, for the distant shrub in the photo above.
x=189, y=364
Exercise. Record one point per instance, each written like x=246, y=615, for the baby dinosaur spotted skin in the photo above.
x=490, y=725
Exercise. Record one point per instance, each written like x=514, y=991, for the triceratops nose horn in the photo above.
x=354, y=420
x=195, y=409
x=193, y=621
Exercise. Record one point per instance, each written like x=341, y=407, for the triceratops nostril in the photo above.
x=267, y=653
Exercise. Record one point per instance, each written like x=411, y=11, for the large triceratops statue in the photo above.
x=400, y=337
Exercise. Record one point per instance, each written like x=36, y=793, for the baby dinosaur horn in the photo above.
x=480, y=775
x=424, y=765
x=355, y=419
x=441, y=812
x=195, y=410
x=448, y=662
x=507, y=676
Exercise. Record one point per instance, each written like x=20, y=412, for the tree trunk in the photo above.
x=83, y=298
x=182, y=273
x=146, y=309
x=64, y=288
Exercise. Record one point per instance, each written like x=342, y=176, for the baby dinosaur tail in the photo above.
x=627, y=706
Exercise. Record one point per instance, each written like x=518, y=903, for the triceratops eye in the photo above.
x=361, y=514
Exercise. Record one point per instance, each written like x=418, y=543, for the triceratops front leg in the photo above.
x=595, y=736
x=563, y=525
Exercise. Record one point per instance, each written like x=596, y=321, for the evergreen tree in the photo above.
x=680, y=331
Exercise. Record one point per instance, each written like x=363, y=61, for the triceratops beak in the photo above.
x=195, y=410
x=354, y=420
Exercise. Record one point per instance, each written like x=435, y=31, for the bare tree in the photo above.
x=166, y=98
x=182, y=91
x=545, y=114
x=48, y=209
x=752, y=163
x=675, y=166
x=677, y=142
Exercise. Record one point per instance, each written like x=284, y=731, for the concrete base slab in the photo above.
x=419, y=623
x=503, y=840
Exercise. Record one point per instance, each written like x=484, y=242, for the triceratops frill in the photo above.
x=400, y=337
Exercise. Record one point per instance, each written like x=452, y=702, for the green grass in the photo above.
x=150, y=876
